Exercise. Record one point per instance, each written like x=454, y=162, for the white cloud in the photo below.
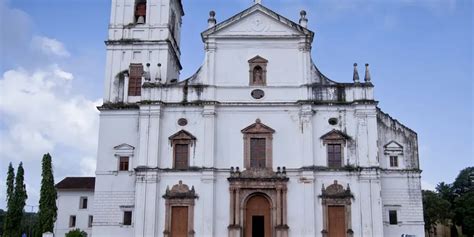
x=62, y=74
x=40, y=116
x=50, y=46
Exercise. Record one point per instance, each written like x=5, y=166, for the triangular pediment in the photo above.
x=393, y=145
x=124, y=147
x=335, y=135
x=257, y=21
x=182, y=135
x=393, y=148
x=258, y=59
x=258, y=127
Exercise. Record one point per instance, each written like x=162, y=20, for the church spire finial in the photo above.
x=356, y=74
x=367, y=78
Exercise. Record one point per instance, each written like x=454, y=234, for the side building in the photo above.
x=75, y=201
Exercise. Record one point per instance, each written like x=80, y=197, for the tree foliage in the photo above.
x=436, y=209
x=452, y=203
x=47, y=205
x=16, y=206
x=76, y=233
x=7, y=222
x=463, y=189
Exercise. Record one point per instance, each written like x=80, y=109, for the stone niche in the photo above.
x=258, y=183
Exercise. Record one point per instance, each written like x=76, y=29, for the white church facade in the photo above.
x=257, y=143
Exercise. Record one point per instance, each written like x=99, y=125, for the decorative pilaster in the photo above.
x=306, y=117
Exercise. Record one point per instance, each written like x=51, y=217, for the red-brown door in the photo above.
x=337, y=221
x=179, y=222
x=257, y=217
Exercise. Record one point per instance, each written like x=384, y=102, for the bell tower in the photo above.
x=143, y=44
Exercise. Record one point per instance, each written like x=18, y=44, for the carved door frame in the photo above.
x=336, y=195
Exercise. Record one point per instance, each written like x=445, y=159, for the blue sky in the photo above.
x=53, y=59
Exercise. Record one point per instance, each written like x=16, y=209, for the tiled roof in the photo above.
x=76, y=183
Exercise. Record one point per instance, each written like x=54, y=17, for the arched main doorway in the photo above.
x=258, y=217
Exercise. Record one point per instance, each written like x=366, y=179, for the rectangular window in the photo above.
x=127, y=218
x=72, y=221
x=89, y=222
x=392, y=216
x=257, y=152
x=135, y=80
x=83, y=203
x=181, y=156
x=334, y=155
x=393, y=161
x=123, y=163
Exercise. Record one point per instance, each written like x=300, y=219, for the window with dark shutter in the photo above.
x=393, y=161
x=135, y=80
x=127, y=218
x=392, y=215
x=181, y=154
x=257, y=152
x=334, y=155
x=123, y=163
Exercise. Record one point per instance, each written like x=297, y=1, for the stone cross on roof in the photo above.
x=257, y=1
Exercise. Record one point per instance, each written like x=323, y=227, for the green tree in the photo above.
x=463, y=189
x=8, y=220
x=18, y=203
x=435, y=210
x=76, y=233
x=47, y=205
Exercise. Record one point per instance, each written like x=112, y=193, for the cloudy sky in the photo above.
x=52, y=60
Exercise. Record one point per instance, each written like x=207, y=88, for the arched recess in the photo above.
x=266, y=185
x=258, y=71
x=120, y=86
x=257, y=216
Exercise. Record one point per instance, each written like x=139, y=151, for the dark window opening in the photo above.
x=181, y=156
x=83, y=203
x=140, y=12
x=258, y=226
x=334, y=155
x=135, y=80
x=72, y=221
x=124, y=163
x=392, y=215
x=89, y=223
x=257, y=152
x=393, y=161
x=127, y=218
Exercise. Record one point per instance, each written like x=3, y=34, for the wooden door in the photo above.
x=179, y=222
x=257, y=217
x=337, y=221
